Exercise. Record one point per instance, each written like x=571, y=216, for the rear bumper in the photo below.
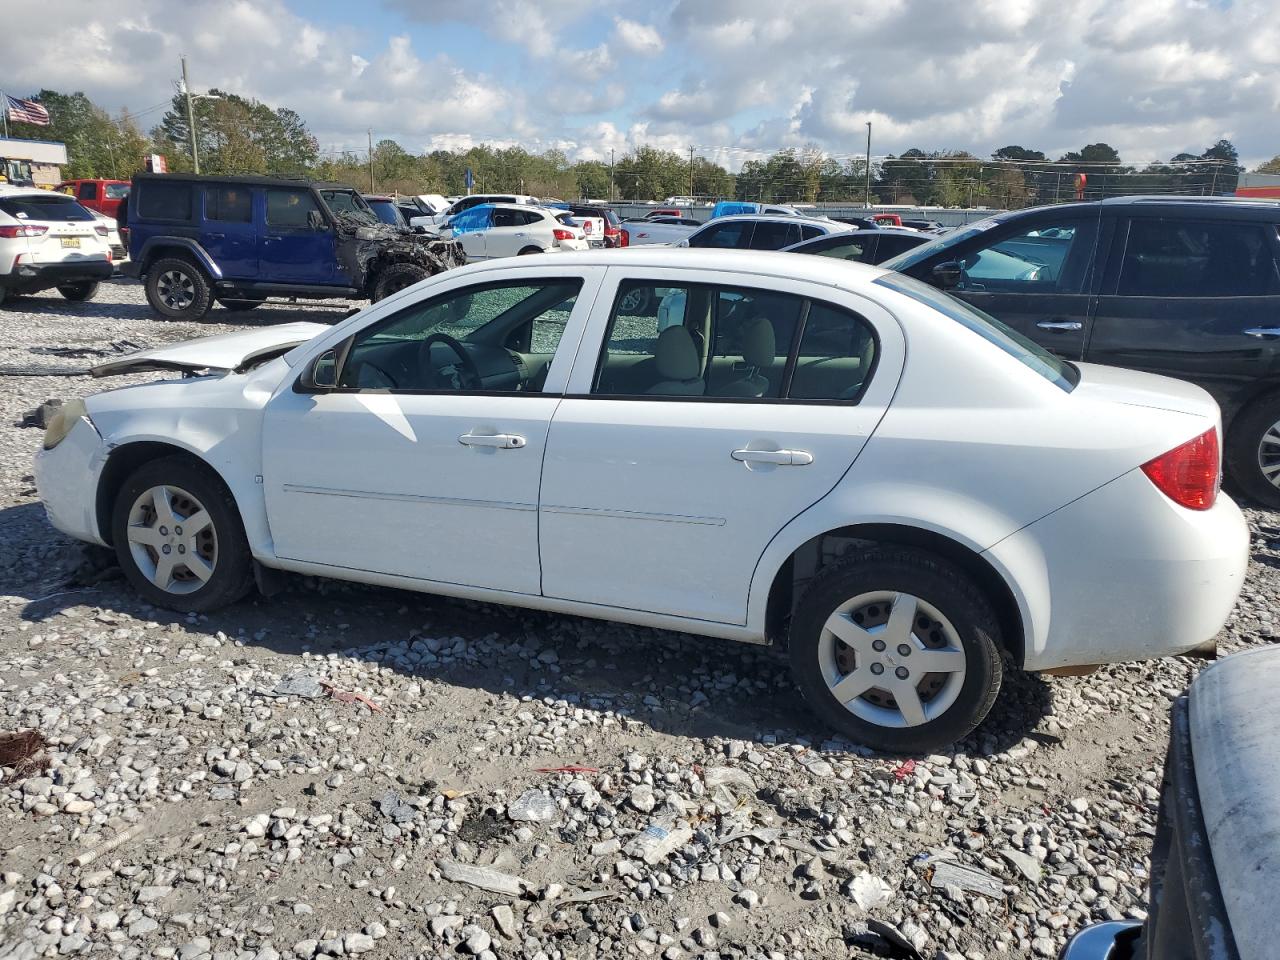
x=77, y=271
x=1123, y=574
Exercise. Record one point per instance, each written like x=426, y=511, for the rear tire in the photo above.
x=1253, y=451
x=396, y=277
x=897, y=610
x=79, y=292
x=530, y=250
x=239, y=305
x=192, y=570
x=177, y=289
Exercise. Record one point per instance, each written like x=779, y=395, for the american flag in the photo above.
x=26, y=111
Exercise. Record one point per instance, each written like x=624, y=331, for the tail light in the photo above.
x=562, y=234
x=101, y=230
x=1190, y=474
x=124, y=237
x=626, y=239
x=10, y=232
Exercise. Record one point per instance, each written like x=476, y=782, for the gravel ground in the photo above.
x=333, y=771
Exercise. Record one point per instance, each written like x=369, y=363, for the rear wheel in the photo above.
x=1253, y=451
x=396, y=277
x=79, y=292
x=177, y=289
x=231, y=304
x=178, y=537
x=529, y=250
x=896, y=649
x=636, y=302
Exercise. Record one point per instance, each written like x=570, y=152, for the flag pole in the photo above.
x=4, y=111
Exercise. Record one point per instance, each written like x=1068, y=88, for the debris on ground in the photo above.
x=23, y=751
x=482, y=877
x=534, y=806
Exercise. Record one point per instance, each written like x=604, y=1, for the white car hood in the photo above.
x=226, y=352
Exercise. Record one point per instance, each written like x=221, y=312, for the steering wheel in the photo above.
x=466, y=377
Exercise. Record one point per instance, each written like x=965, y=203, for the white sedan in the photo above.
x=809, y=451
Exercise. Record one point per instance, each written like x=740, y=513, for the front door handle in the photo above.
x=1060, y=325
x=502, y=441
x=785, y=458
x=1264, y=333
x=216, y=236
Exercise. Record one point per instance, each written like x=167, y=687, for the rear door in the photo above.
x=774, y=235
x=1196, y=298
x=297, y=241
x=1034, y=274
x=686, y=443
x=509, y=232
x=229, y=234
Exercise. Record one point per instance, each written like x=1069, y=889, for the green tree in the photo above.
x=1271, y=166
x=237, y=135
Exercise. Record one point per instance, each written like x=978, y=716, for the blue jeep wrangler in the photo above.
x=238, y=240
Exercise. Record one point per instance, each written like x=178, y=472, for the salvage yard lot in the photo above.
x=289, y=776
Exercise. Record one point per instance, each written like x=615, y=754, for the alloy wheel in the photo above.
x=176, y=289
x=892, y=659
x=1269, y=454
x=172, y=539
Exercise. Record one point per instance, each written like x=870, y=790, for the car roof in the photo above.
x=10, y=191
x=251, y=180
x=832, y=226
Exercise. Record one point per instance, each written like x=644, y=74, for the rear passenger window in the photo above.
x=731, y=343
x=1186, y=258
x=164, y=200
x=229, y=204
x=808, y=233
x=850, y=249
x=290, y=208
x=771, y=235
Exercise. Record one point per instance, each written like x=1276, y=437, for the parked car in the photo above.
x=601, y=225
x=732, y=208
x=928, y=226
x=105, y=196
x=48, y=241
x=238, y=240
x=863, y=246
x=1185, y=287
x=386, y=210
x=658, y=230
x=119, y=252
x=1217, y=842
x=509, y=229
x=745, y=232
x=843, y=459
x=462, y=204
x=664, y=212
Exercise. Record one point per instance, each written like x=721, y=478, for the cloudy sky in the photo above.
x=1151, y=77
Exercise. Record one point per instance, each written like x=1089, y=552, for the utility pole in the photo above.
x=691, y=174
x=191, y=118
x=371, y=190
x=867, y=197
x=611, y=174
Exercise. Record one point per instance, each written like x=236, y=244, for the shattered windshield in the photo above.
x=349, y=203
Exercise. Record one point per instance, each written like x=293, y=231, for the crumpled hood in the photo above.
x=225, y=352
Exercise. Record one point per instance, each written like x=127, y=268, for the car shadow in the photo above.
x=674, y=683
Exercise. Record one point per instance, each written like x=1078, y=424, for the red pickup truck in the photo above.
x=101, y=195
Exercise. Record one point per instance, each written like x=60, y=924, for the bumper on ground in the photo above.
x=67, y=481
x=1124, y=574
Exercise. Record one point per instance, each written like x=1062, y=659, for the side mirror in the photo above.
x=683, y=243
x=322, y=374
x=949, y=274
x=315, y=220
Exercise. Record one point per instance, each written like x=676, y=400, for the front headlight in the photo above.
x=62, y=422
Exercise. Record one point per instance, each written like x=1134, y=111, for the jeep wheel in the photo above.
x=238, y=305
x=177, y=289
x=79, y=292
x=396, y=277
x=896, y=649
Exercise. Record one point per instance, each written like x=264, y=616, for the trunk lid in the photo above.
x=223, y=353
x=1137, y=389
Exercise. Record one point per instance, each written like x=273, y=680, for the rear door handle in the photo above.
x=1264, y=333
x=785, y=458
x=502, y=441
x=1060, y=325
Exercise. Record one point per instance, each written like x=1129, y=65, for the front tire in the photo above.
x=177, y=289
x=396, y=277
x=79, y=292
x=1253, y=451
x=178, y=536
x=896, y=649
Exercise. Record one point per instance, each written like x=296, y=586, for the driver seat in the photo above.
x=676, y=357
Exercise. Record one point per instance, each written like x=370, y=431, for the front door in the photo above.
x=297, y=244
x=700, y=431
x=470, y=228
x=425, y=462
x=229, y=234
x=1035, y=276
x=1197, y=299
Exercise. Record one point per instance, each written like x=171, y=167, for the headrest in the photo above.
x=676, y=355
x=758, y=342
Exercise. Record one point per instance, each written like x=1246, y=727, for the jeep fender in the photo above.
x=155, y=247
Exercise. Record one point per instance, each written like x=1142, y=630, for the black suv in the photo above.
x=239, y=240
x=1186, y=287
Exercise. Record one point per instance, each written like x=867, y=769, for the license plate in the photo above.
x=71, y=242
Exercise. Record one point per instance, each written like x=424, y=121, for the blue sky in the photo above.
x=733, y=77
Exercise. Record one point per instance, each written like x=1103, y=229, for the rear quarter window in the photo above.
x=158, y=200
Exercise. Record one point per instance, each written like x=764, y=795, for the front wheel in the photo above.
x=896, y=649
x=396, y=277
x=1253, y=451
x=79, y=292
x=178, y=537
x=177, y=289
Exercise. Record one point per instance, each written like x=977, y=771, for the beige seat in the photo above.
x=676, y=357
x=759, y=349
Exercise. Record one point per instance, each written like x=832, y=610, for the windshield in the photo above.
x=1027, y=352
x=117, y=191
x=50, y=206
x=350, y=203
x=905, y=261
x=386, y=211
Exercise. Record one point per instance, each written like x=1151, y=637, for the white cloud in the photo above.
x=637, y=38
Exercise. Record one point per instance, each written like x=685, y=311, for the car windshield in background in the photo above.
x=909, y=259
x=117, y=191
x=54, y=206
x=1025, y=351
x=346, y=201
x=386, y=211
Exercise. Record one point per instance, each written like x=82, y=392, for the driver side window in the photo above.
x=1047, y=258
x=497, y=337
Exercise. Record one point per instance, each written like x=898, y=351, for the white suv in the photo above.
x=494, y=230
x=48, y=240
